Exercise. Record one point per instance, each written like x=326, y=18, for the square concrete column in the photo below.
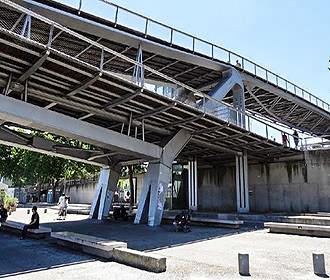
x=105, y=188
x=242, y=184
x=156, y=181
x=192, y=184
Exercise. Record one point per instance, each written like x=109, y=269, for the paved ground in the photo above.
x=206, y=253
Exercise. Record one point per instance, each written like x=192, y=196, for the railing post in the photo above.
x=255, y=70
x=146, y=28
x=116, y=16
x=212, y=51
x=193, y=45
x=229, y=58
x=171, y=36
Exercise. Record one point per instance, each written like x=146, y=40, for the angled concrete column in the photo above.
x=242, y=185
x=156, y=181
x=192, y=184
x=104, y=192
x=231, y=81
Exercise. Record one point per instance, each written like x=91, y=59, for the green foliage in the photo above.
x=24, y=167
x=10, y=202
x=137, y=169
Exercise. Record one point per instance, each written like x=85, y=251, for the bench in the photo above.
x=17, y=228
x=113, y=250
x=213, y=221
x=92, y=245
x=142, y=260
x=299, y=229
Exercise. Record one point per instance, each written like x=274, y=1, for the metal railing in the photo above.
x=214, y=52
x=242, y=119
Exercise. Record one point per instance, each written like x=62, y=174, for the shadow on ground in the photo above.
x=20, y=257
x=143, y=237
x=23, y=257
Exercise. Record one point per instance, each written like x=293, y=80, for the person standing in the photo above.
x=3, y=214
x=285, y=140
x=34, y=224
x=296, y=138
x=62, y=203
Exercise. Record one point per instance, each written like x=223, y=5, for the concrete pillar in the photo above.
x=156, y=181
x=105, y=188
x=243, y=264
x=319, y=264
x=192, y=184
x=242, y=186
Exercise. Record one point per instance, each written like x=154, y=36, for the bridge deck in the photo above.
x=65, y=77
x=272, y=96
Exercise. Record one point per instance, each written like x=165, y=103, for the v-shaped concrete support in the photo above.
x=106, y=186
x=156, y=181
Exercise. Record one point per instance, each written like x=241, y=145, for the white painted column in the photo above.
x=192, y=184
x=242, y=186
x=105, y=188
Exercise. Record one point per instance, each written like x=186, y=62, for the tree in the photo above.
x=24, y=167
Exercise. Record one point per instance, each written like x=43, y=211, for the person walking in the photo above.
x=34, y=224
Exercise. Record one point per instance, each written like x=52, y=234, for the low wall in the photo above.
x=84, y=193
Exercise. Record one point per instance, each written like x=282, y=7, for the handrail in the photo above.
x=239, y=115
x=303, y=93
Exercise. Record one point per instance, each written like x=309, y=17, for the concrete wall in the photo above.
x=85, y=193
x=216, y=189
x=300, y=184
x=291, y=186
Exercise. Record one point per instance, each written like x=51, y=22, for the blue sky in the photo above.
x=289, y=37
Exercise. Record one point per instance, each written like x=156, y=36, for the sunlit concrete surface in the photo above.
x=205, y=253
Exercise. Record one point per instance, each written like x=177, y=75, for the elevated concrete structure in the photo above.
x=72, y=74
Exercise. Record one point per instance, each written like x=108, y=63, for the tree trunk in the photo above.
x=39, y=191
x=130, y=173
x=54, y=187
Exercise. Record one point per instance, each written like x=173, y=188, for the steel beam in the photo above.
x=28, y=115
x=11, y=138
x=122, y=100
x=262, y=105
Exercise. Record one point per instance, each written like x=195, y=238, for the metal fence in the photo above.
x=215, y=52
x=238, y=118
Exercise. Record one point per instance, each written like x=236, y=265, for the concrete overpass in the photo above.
x=70, y=73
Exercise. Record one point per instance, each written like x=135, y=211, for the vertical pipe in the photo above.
x=189, y=185
x=238, y=191
x=246, y=181
x=143, y=130
x=26, y=91
x=129, y=124
x=195, y=185
x=241, y=176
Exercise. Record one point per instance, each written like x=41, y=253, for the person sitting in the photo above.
x=3, y=214
x=34, y=224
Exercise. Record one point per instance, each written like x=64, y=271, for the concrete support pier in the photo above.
x=156, y=181
x=192, y=184
x=242, y=185
x=104, y=192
